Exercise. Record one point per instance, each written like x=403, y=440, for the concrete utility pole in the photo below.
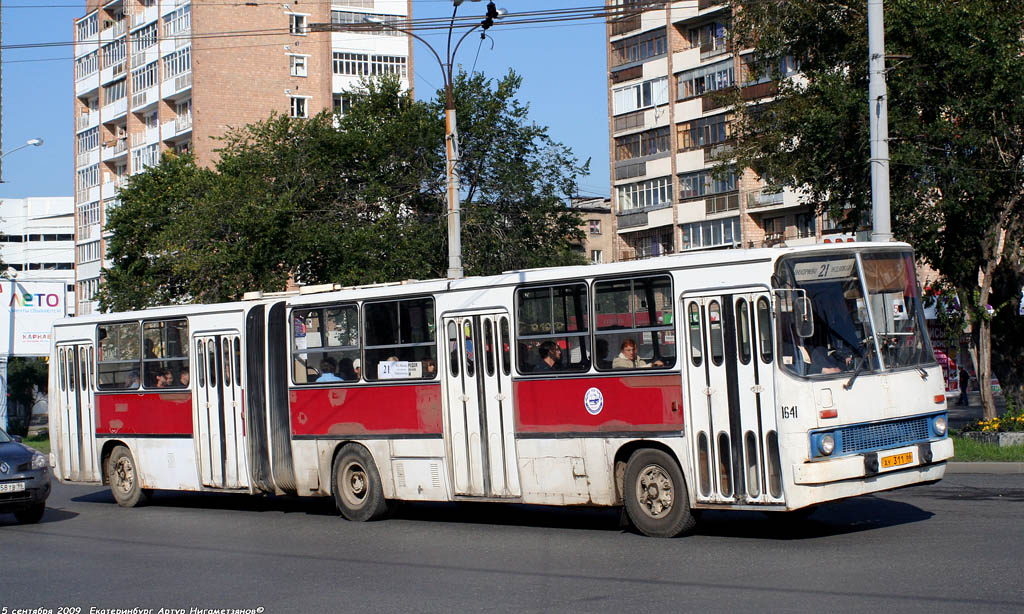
x=879, y=112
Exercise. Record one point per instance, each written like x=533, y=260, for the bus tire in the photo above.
x=655, y=494
x=123, y=477
x=356, y=486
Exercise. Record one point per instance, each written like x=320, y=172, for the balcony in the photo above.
x=714, y=47
x=112, y=72
x=722, y=203
x=138, y=139
x=87, y=84
x=183, y=123
x=175, y=85
x=87, y=158
x=144, y=16
x=114, y=110
x=86, y=121
x=116, y=149
x=144, y=98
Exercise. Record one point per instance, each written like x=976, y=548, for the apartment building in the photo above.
x=598, y=226
x=172, y=75
x=37, y=242
x=666, y=124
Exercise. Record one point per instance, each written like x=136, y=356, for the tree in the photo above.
x=956, y=126
x=350, y=199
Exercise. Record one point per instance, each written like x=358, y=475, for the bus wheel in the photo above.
x=655, y=493
x=355, y=485
x=123, y=477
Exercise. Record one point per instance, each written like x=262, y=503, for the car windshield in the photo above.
x=827, y=304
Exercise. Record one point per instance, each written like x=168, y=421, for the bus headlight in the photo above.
x=939, y=424
x=826, y=444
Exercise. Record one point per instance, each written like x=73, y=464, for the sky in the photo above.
x=563, y=67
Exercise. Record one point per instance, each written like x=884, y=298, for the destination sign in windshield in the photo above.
x=824, y=269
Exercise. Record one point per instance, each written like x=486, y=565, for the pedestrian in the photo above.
x=965, y=381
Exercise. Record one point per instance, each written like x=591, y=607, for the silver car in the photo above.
x=24, y=480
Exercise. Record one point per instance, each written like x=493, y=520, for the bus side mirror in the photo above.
x=804, y=317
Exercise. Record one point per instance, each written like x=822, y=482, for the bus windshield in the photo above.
x=828, y=327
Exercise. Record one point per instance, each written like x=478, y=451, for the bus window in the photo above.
x=506, y=348
x=61, y=372
x=764, y=329
x=400, y=342
x=715, y=324
x=119, y=356
x=211, y=353
x=325, y=345
x=453, y=348
x=201, y=363
x=164, y=353
x=696, y=344
x=467, y=331
x=635, y=327
x=489, y=347
x=553, y=329
x=238, y=361
x=743, y=331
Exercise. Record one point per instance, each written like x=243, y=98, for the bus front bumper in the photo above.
x=922, y=455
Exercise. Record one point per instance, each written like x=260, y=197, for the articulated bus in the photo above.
x=766, y=379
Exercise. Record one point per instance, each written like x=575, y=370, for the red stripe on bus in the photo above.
x=367, y=410
x=153, y=413
x=641, y=403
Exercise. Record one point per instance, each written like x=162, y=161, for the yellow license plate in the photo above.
x=897, y=459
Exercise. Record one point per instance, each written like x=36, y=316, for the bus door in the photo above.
x=78, y=433
x=479, y=425
x=731, y=394
x=217, y=409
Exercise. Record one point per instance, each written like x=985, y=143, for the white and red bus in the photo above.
x=770, y=379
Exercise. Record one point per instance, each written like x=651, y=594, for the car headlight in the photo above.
x=39, y=461
x=827, y=444
x=939, y=424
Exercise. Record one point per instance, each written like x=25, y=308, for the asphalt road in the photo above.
x=950, y=547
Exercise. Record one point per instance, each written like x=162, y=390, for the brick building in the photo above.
x=171, y=75
x=666, y=124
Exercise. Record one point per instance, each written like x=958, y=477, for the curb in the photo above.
x=1001, y=468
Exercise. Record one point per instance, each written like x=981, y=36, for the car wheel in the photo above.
x=356, y=485
x=123, y=477
x=31, y=515
x=656, y=499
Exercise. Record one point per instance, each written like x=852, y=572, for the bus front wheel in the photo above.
x=655, y=495
x=123, y=477
x=355, y=484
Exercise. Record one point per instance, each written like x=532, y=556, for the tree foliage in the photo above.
x=955, y=83
x=351, y=199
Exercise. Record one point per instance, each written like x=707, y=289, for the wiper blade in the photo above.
x=869, y=345
x=860, y=369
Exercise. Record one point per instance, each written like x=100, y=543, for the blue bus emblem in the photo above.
x=594, y=401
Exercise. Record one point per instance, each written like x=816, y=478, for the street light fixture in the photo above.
x=455, y=269
x=37, y=142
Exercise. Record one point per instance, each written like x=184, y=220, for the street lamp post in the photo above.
x=451, y=135
x=29, y=143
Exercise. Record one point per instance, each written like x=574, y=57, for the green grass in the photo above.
x=39, y=443
x=970, y=450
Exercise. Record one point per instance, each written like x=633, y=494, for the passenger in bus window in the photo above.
x=164, y=378
x=602, y=354
x=429, y=368
x=328, y=366
x=627, y=358
x=550, y=357
x=183, y=378
x=356, y=364
x=133, y=378
x=346, y=369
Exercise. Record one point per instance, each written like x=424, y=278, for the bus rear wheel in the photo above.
x=356, y=486
x=123, y=477
x=655, y=494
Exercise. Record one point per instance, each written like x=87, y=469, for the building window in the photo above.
x=89, y=140
x=178, y=62
x=710, y=37
x=88, y=252
x=144, y=39
x=115, y=91
x=713, y=233
x=595, y=227
x=650, y=193
x=145, y=157
x=144, y=77
x=297, y=24
x=87, y=27
x=651, y=243
x=596, y=257
x=297, y=65
x=704, y=132
x=348, y=17
x=704, y=183
x=178, y=23
x=700, y=81
x=643, y=144
x=366, y=65
x=639, y=48
x=640, y=96
x=113, y=53
x=89, y=177
x=86, y=65
x=299, y=106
